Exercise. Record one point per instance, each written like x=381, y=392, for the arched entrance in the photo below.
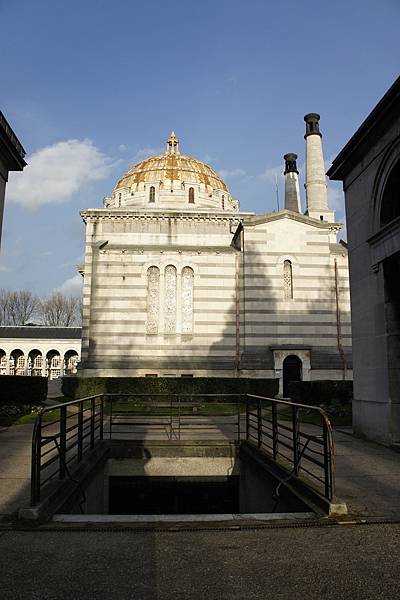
x=71, y=360
x=17, y=362
x=35, y=363
x=292, y=371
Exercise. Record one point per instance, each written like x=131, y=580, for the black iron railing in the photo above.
x=298, y=436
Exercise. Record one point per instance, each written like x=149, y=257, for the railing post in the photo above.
x=247, y=418
x=63, y=441
x=92, y=421
x=328, y=474
x=80, y=431
x=296, y=439
x=239, y=403
x=110, y=400
x=101, y=430
x=36, y=461
x=259, y=424
x=275, y=433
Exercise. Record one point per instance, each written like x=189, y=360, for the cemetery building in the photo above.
x=37, y=350
x=369, y=166
x=12, y=157
x=178, y=281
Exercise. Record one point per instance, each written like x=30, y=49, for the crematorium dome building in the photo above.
x=179, y=282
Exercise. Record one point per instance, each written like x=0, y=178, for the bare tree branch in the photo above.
x=58, y=310
x=21, y=307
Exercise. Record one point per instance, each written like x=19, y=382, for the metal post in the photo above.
x=101, y=433
x=36, y=461
x=259, y=424
x=110, y=399
x=92, y=421
x=239, y=403
x=275, y=433
x=63, y=441
x=247, y=418
x=296, y=439
x=328, y=474
x=80, y=431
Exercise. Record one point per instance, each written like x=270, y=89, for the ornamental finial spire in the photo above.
x=172, y=144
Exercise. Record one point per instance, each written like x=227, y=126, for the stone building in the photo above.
x=179, y=282
x=35, y=350
x=369, y=166
x=12, y=157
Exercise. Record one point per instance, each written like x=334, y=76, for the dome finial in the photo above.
x=172, y=144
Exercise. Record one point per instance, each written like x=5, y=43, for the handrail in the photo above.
x=254, y=418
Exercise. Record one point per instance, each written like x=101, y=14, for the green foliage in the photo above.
x=324, y=392
x=77, y=387
x=15, y=390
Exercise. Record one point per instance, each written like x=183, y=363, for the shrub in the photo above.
x=79, y=387
x=323, y=392
x=19, y=389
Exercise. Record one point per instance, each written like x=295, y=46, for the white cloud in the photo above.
x=72, y=286
x=226, y=174
x=271, y=174
x=54, y=173
x=144, y=153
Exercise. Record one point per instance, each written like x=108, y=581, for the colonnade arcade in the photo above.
x=52, y=364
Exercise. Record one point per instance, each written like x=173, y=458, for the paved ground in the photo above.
x=367, y=475
x=341, y=562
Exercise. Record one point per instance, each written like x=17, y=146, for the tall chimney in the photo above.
x=292, y=189
x=316, y=188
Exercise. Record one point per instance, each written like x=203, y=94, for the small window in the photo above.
x=321, y=217
x=152, y=194
x=287, y=280
x=187, y=375
x=151, y=375
x=191, y=195
x=223, y=202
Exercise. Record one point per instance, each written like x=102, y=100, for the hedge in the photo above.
x=20, y=389
x=79, y=387
x=325, y=391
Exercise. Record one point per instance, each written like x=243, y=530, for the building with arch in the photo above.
x=179, y=282
x=39, y=351
x=369, y=166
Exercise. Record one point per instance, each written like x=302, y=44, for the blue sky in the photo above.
x=91, y=87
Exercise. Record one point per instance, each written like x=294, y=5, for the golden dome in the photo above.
x=172, y=166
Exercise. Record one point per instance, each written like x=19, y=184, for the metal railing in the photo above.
x=298, y=436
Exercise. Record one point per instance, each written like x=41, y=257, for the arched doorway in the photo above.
x=3, y=362
x=35, y=363
x=54, y=365
x=292, y=371
x=17, y=362
x=71, y=360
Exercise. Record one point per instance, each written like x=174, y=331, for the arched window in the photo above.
x=191, y=195
x=287, y=280
x=153, y=299
x=152, y=194
x=187, y=300
x=170, y=299
x=390, y=208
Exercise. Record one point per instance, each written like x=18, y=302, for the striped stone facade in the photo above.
x=244, y=322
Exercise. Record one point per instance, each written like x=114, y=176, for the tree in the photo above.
x=58, y=310
x=17, y=308
x=4, y=306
